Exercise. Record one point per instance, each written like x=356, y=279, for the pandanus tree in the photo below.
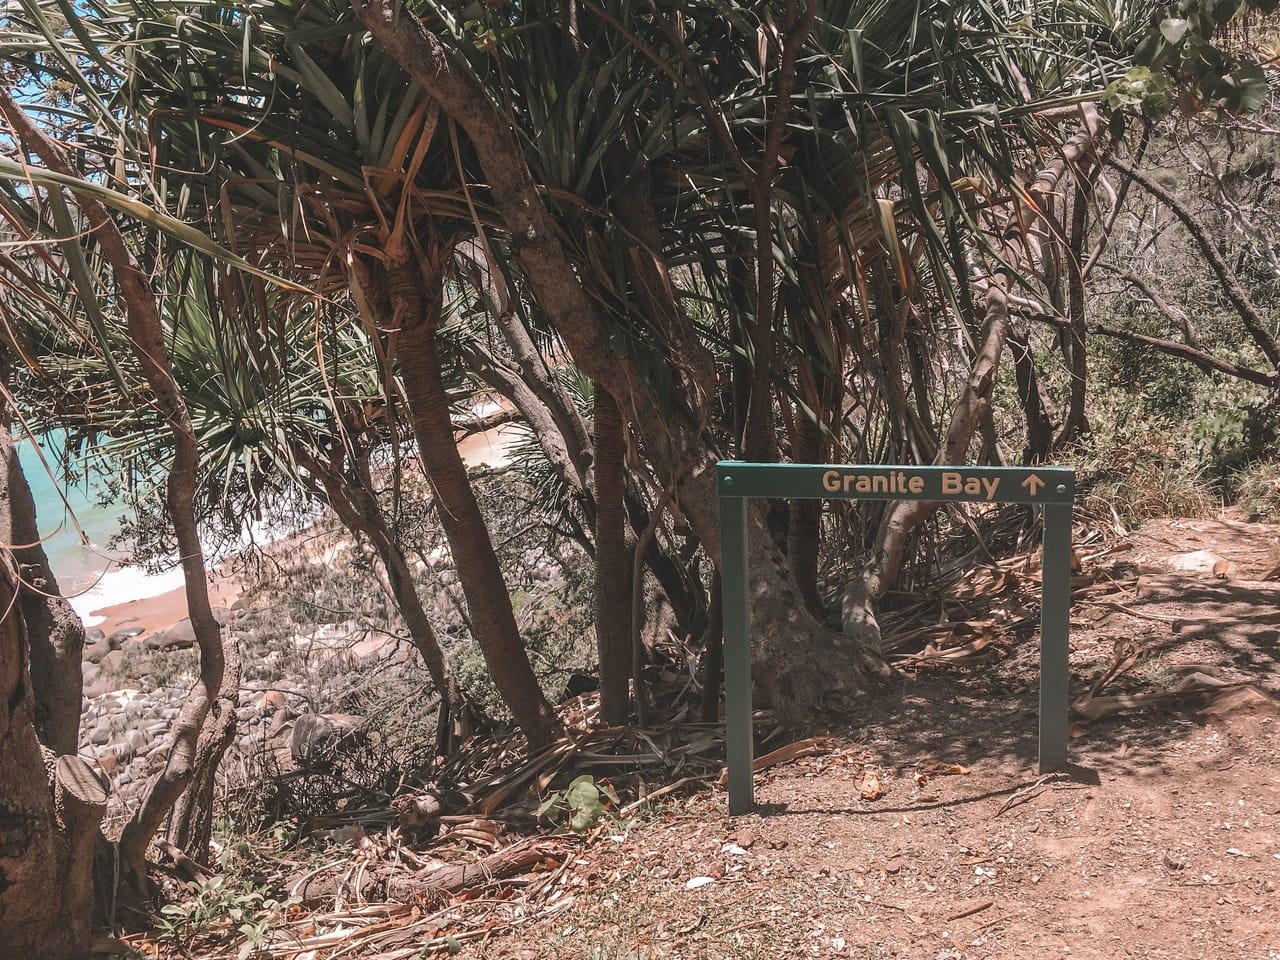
x=797, y=170
x=727, y=215
x=293, y=418
x=305, y=148
x=627, y=188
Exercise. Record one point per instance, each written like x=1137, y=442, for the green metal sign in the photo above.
x=1050, y=488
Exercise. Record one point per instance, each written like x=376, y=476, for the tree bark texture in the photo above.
x=54, y=632
x=1076, y=424
x=146, y=332
x=50, y=810
x=1036, y=406
x=415, y=315
x=613, y=559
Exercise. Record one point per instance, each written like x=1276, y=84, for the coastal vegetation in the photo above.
x=275, y=261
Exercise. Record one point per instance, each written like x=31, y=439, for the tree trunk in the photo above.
x=801, y=662
x=546, y=426
x=613, y=559
x=1076, y=424
x=357, y=508
x=415, y=313
x=904, y=516
x=54, y=632
x=804, y=533
x=713, y=654
x=147, y=338
x=1032, y=396
x=534, y=372
x=50, y=810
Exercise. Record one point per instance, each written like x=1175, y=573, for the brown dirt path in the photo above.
x=1164, y=841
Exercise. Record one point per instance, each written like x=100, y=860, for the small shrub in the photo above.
x=1257, y=490
x=1142, y=484
x=220, y=908
x=582, y=803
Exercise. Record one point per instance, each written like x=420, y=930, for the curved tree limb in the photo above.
x=1227, y=277
x=146, y=335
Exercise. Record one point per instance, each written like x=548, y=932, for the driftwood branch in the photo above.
x=1200, y=358
x=489, y=421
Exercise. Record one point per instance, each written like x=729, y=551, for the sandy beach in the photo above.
x=161, y=612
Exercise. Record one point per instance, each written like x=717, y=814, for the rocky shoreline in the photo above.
x=301, y=657
x=135, y=682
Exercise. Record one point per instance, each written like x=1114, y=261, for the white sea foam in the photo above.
x=120, y=585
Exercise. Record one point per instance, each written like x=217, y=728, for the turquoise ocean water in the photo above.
x=91, y=575
x=76, y=565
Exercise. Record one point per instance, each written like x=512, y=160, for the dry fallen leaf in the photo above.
x=870, y=788
x=1222, y=569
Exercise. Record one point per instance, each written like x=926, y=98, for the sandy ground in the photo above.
x=158, y=613
x=489, y=448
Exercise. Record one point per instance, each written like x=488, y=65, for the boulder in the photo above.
x=94, y=635
x=95, y=653
x=120, y=636
x=1198, y=561
x=318, y=739
x=112, y=662
x=178, y=637
x=271, y=701
x=101, y=685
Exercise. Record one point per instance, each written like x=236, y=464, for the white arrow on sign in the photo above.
x=1033, y=484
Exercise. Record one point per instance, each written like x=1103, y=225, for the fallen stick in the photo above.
x=970, y=911
x=810, y=747
x=661, y=792
x=1028, y=793
x=1130, y=612
x=456, y=877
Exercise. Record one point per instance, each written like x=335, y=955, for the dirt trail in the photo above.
x=1163, y=842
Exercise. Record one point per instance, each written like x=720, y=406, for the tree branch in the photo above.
x=1231, y=284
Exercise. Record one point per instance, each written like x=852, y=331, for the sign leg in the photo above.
x=1055, y=620
x=737, y=652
